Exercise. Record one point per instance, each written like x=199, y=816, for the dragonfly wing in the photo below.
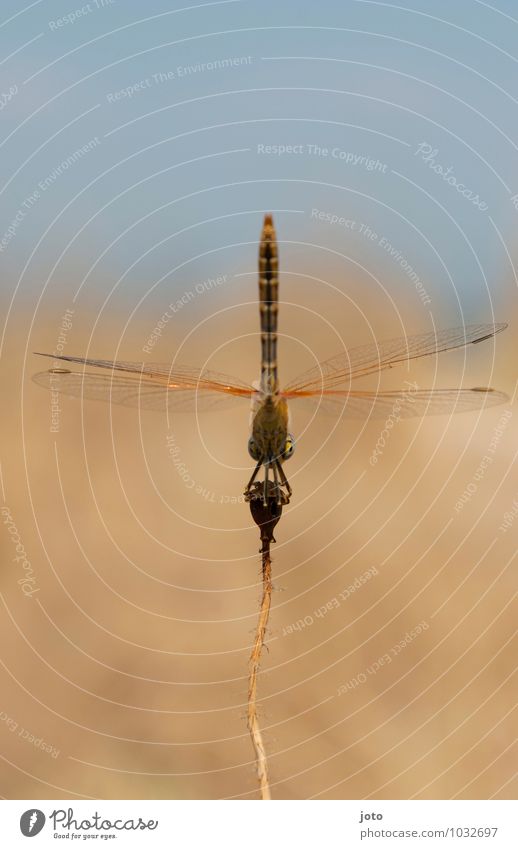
x=175, y=376
x=151, y=386
x=404, y=403
x=370, y=359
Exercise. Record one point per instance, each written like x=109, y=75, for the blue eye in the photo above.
x=289, y=447
x=253, y=449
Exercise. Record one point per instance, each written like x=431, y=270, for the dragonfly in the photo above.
x=329, y=385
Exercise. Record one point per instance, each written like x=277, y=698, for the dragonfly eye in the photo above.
x=253, y=449
x=289, y=447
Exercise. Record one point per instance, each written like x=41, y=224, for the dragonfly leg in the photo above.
x=277, y=489
x=252, y=479
x=284, y=479
x=269, y=491
x=266, y=488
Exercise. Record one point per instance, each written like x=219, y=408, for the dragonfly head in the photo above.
x=258, y=453
x=269, y=440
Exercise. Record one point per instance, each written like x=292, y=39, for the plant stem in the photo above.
x=254, y=663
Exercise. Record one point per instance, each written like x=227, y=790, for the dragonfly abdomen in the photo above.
x=268, y=305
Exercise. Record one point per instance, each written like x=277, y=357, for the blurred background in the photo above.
x=140, y=151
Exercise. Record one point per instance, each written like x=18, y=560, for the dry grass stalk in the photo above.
x=254, y=663
x=266, y=503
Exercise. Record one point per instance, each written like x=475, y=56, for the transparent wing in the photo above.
x=154, y=386
x=370, y=359
x=404, y=403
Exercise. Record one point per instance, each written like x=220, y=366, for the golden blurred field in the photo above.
x=131, y=657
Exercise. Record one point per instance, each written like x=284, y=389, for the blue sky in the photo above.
x=198, y=119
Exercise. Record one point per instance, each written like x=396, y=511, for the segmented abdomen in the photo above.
x=268, y=305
